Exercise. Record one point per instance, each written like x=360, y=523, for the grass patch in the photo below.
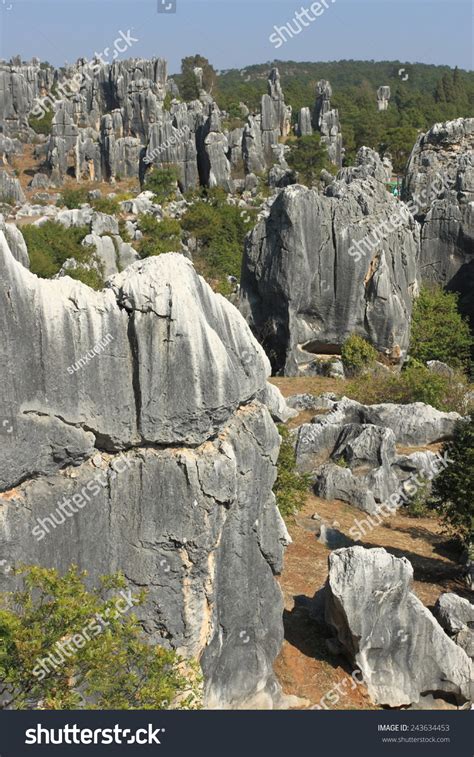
x=50, y=245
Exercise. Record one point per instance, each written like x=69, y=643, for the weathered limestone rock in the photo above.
x=19, y=86
x=384, y=629
x=215, y=165
x=148, y=405
x=40, y=181
x=304, y=126
x=352, y=452
x=305, y=287
x=456, y=616
x=252, y=146
x=439, y=183
x=198, y=527
x=326, y=121
x=16, y=242
x=415, y=424
x=169, y=475
x=172, y=141
x=276, y=404
x=383, y=98
x=10, y=189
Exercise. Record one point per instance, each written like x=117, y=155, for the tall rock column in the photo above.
x=167, y=478
x=326, y=121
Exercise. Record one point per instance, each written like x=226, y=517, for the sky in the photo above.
x=236, y=34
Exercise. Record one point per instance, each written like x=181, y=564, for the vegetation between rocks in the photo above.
x=50, y=245
x=291, y=486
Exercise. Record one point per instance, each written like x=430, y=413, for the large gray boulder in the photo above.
x=163, y=321
x=305, y=286
x=384, y=629
x=456, y=616
x=133, y=440
x=439, y=183
x=10, y=190
x=415, y=424
x=351, y=450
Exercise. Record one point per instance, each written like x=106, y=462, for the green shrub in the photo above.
x=74, y=198
x=106, y=664
x=42, y=125
x=108, y=205
x=158, y=236
x=162, y=182
x=308, y=156
x=357, y=355
x=438, y=331
x=51, y=244
x=418, y=506
x=453, y=489
x=291, y=486
x=416, y=383
x=220, y=230
x=123, y=231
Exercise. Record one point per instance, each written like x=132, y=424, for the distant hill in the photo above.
x=421, y=95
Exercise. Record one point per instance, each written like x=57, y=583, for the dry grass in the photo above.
x=309, y=385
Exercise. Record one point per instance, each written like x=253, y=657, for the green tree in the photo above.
x=162, y=182
x=100, y=656
x=188, y=86
x=308, y=156
x=399, y=142
x=220, y=230
x=291, y=486
x=74, y=198
x=453, y=488
x=438, y=331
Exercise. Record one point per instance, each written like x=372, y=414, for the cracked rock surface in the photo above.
x=303, y=293
x=159, y=453
x=400, y=648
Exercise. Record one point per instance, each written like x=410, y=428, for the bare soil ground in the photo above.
x=305, y=667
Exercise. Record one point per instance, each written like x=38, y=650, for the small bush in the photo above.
x=438, y=331
x=162, y=182
x=123, y=231
x=108, y=205
x=42, y=125
x=416, y=383
x=51, y=244
x=357, y=355
x=291, y=486
x=453, y=488
x=74, y=198
x=158, y=236
x=418, y=506
x=220, y=230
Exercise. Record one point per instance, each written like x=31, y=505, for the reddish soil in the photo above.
x=305, y=666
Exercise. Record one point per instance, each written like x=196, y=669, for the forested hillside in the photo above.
x=421, y=95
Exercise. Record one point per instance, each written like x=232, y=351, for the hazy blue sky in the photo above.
x=235, y=34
